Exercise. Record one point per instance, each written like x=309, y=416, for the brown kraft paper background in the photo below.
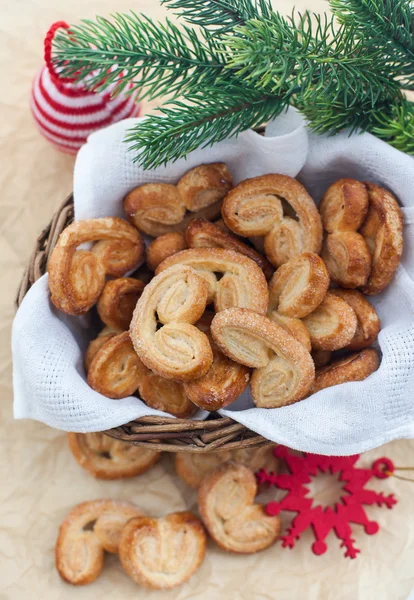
x=39, y=480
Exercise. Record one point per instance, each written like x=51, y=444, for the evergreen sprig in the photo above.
x=219, y=15
x=384, y=24
x=246, y=64
x=206, y=117
x=158, y=58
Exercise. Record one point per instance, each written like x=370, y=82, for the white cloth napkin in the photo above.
x=48, y=347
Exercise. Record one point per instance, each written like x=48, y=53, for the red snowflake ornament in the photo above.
x=349, y=508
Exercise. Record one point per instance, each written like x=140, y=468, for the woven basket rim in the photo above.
x=158, y=433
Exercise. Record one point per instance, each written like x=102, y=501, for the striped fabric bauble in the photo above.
x=66, y=113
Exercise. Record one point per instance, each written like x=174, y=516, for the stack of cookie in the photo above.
x=163, y=552
x=242, y=285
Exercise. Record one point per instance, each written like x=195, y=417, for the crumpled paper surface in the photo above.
x=40, y=481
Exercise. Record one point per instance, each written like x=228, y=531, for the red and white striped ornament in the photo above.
x=66, y=113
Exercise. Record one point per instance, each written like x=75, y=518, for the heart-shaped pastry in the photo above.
x=107, y=458
x=332, y=325
x=298, y=286
x=88, y=530
x=279, y=208
x=383, y=233
x=284, y=370
x=115, y=369
x=162, y=328
x=159, y=208
x=162, y=553
x=77, y=277
x=234, y=521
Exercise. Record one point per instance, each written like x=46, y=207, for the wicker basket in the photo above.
x=159, y=433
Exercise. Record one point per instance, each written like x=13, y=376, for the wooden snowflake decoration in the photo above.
x=348, y=509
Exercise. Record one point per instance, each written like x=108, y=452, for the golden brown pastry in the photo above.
x=368, y=325
x=347, y=258
x=332, y=325
x=383, y=232
x=227, y=508
x=162, y=553
x=293, y=326
x=118, y=300
x=88, y=530
x=204, y=185
x=163, y=247
x=193, y=468
x=164, y=394
x=77, y=277
x=344, y=206
x=203, y=234
x=255, y=208
x=115, y=369
x=321, y=357
x=97, y=343
x=223, y=383
x=176, y=298
x=159, y=208
x=107, y=458
x=355, y=367
x=233, y=280
x=284, y=370
x=298, y=286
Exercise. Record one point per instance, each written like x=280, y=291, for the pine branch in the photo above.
x=219, y=15
x=203, y=119
x=384, y=24
x=304, y=51
x=396, y=126
x=247, y=64
x=157, y=58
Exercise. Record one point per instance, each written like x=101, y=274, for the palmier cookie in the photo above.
x=368, y=323
x=118, y=300
x=159, y=208
x=233, y=280
x=355, y=367
x=162, y=553
x=284, y=370
x=383, y=232
x=163, y=247
x=347, y=258
x=200, y=233
x=344, y=206
x=332, y=325
x=77, y=277
x=298, y=286
x=106, y=334
x=163, y=394
x=176, y=298
x=107, y=458
x=193, y=468
x=89, y=529
x=115, y=369
x=255, y=208
x=227, y=508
